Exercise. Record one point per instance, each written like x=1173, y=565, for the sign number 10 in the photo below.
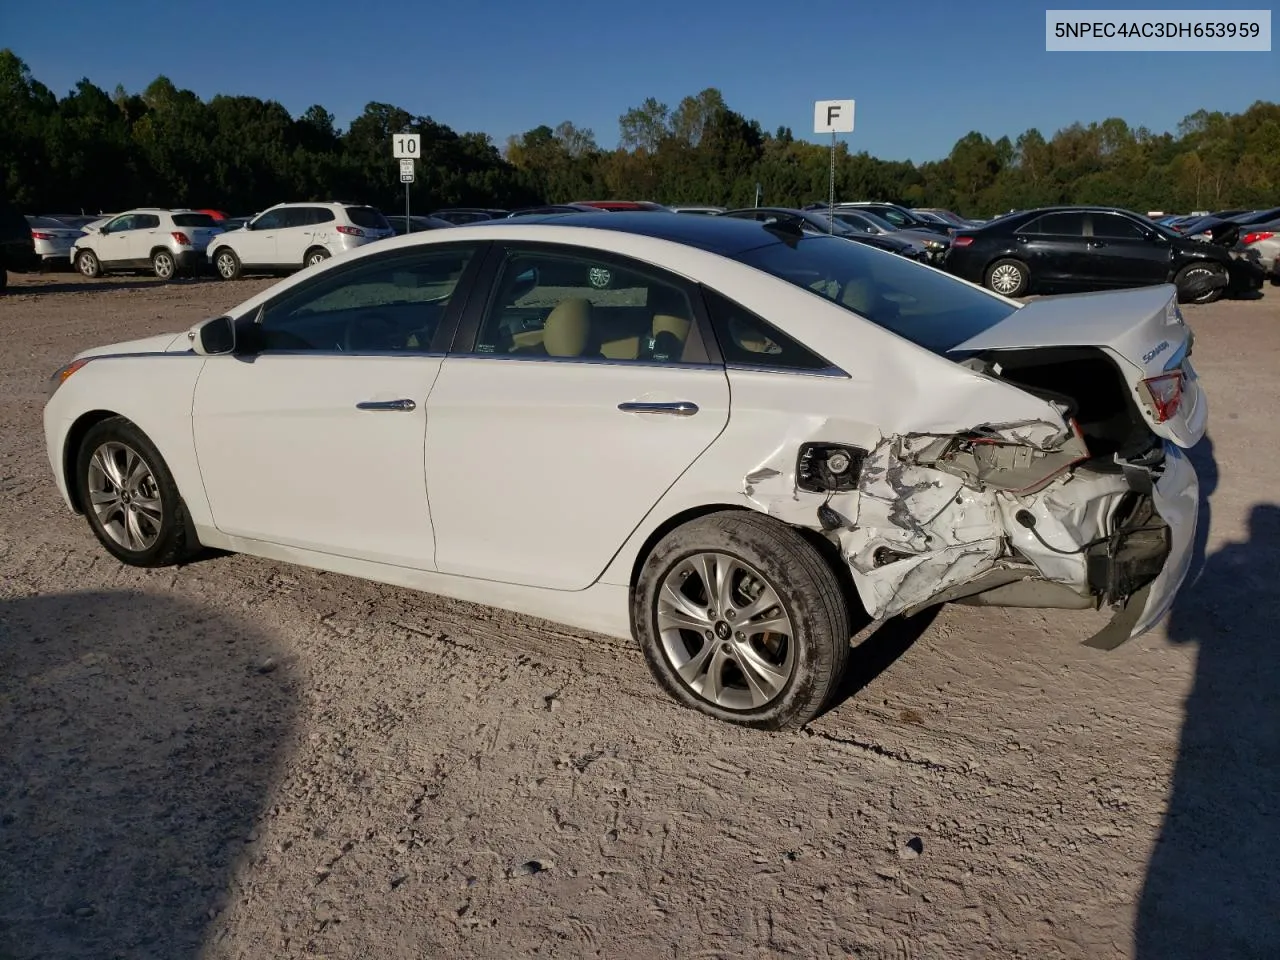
x=405, y=146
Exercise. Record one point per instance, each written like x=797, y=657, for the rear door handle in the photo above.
x=678, y=408
x=1096, y=243
x=405, y=405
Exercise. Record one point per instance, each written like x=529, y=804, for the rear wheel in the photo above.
x=741, y=619
x=1199, y=283
x=87, y=263
x=129, y=496
x=315, y=255
x=1009, y=278
x=227, y=263
x=164, y=265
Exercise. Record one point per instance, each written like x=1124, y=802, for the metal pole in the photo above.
x=831, y=199
x=407, y=228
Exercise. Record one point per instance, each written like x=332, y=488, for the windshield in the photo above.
x=1156, y=226
x=929, y=308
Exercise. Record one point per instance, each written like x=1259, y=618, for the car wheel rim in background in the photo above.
x=1006, y=278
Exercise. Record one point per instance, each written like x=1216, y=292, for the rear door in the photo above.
x=580, y=390
x=1127, y=254
x=296, y=233
x=1055, y=248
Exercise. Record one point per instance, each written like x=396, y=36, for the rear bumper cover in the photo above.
x=1177, y=499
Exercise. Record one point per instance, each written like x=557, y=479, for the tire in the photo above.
x=88, y=264
x=160, y=534
x=814, y=615
x=1008, y=277
x=315, y=255
x=227, y=264
x=1191, y=275
x=164, y=265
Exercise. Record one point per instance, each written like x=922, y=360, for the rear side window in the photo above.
x=193, y=220
x=1058, y=224
x=747, y=339
x=368, y=217
x=321, y=215
x=146, y=221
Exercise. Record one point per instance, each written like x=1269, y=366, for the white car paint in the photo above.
x=280, y=237
x=555, y=506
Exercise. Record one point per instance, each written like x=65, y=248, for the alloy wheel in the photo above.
x=725, y=631
x=125, y=496
x=163, y=264
x=226, y=265
x=1006, y=278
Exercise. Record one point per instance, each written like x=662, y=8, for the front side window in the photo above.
x=575, y=306
x=127, y=222
x=1117, y=227
x=379, y=306
x=271, y=220
x=929, y=308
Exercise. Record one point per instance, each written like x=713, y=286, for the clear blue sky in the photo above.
x=924, y=72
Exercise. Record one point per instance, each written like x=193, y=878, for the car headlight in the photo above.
x=60, y=375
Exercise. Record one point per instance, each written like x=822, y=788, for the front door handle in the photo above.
x=678, y=408
x=405, y=405
x=1096, y=243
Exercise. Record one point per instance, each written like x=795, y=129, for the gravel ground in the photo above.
x=240, y=758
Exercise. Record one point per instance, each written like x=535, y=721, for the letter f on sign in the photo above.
x=833, y=111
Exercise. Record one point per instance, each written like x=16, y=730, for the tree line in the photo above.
x=95, y=151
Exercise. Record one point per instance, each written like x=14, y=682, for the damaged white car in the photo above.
x=726, y=439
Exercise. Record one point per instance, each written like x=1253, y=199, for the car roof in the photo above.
x=721, y=235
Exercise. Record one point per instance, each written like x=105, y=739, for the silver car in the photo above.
x=53, y=239
x=864, y=221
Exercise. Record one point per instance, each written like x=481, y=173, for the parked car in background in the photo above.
x=686, y=208
x=1261, y=244
x=77, y=220
x=415, y=224
x=816, y=222
x=290, y=236
x=800, y=434
x=898, y=215
x=233, y=223
x=944, y=216
x=460, y=215
x=617, y=206
x=1065, y=249
x=17, y=246
x=554, y=208
x=53, y=240
x=168, y=242
x=926, y=245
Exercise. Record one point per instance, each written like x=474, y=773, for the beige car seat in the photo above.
x=567, y=329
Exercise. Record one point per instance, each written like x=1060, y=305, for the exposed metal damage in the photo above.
x=1007, y=514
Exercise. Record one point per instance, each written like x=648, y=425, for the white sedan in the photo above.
x=729, y=440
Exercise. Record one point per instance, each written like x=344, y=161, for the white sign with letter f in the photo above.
x=833, y=116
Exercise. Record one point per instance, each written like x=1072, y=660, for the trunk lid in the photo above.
x=1141, y=329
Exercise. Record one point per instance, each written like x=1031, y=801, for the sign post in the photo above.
x=832, y=116
x=405, y=147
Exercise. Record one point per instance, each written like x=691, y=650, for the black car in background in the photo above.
x=811, y=221
x=17, y=246
x=1070, y=249
x=460, y=215
x=417, y=224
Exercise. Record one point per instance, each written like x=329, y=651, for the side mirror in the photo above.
x=213, y=337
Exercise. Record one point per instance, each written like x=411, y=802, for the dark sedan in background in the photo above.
x=813, y=221
x=1069, y=249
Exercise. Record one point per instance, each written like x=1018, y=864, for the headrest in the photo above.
x=859, y=294
x=567, y=328
x=676, y=326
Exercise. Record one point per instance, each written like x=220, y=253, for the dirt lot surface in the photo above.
x=244, y=759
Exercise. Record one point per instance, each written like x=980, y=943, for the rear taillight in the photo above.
x=962, y=241
x=181, y=238
x=49, y=236
x=350, y=231
x=1253, y=237
x=1166, y=394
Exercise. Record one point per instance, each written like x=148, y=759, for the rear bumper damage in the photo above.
x=1009, y=518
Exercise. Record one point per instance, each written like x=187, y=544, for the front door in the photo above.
x=1128, y=255
x=113, y=245
x=312, y=434
x=256, y=243
x=583, y=397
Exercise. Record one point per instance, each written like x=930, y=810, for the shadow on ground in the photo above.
x=142, y=736
x=1212, y=888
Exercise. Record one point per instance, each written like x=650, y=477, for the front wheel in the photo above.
x=129, y=496
x=88, y=265
x=1009, y=278
x=227, y=264
x=740, y=618
x=1200, y=283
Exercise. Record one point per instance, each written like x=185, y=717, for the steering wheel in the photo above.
x=371, y=331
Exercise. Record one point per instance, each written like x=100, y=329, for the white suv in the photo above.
x=168, y=242
x=293, y=235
